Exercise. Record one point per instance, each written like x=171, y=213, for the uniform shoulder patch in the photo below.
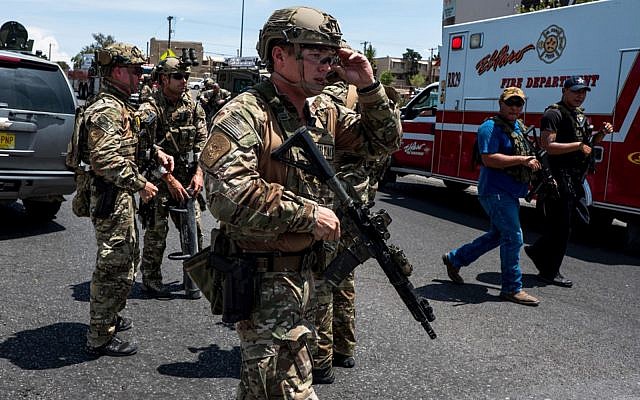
x=217, y=146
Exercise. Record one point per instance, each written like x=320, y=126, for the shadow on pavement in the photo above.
x=17, y=224
x=80, y=291
x=464, y=209
x=48, y=347
x=213, y=362
x=469, y=293
x=493, y=278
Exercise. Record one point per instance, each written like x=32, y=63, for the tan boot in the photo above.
x=521, y=297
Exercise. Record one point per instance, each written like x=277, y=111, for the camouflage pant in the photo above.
x=116, y=260
x=276, y=362
x=333, y=312
x=155, y=237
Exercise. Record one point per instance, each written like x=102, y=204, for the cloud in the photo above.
x=42, y=39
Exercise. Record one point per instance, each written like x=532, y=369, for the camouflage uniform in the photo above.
x=112, y=141
x=210, y=98
x=180, y=129
x=333, y=308
x=266, y=206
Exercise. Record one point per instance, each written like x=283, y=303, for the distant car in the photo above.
x=37, y=114
x=195, y=84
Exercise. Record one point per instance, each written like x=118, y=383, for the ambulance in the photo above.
x=535, y=51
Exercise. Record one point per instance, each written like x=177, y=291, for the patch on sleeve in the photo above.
x=104, y=123
x=217, y=146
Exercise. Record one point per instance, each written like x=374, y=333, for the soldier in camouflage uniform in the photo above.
x=279, y=216
x=333, y=308
x=213, y=98
x=181, y=131
x=113, y=147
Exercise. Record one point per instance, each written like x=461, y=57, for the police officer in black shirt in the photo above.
x=565, y=136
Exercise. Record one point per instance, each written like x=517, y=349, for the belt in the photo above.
x=276, y=261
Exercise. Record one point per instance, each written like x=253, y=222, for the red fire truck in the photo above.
x=535, y=51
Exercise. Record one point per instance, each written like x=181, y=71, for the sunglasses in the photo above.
x=179, y=76
x=514, y=101
x=134, y=69
x=321, y=58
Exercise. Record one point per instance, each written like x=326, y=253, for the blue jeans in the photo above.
x=503, y=211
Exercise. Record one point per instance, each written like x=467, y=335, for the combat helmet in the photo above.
x=208, y=83
x=171, y=65
x=298, y=26
x=119, y=53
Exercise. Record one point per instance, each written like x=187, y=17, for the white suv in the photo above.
x=37, y=113
x=195, y=83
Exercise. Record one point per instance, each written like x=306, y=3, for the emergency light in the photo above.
x=456, y=43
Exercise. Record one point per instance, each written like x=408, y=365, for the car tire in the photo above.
x=196, y=87
x=41, y=210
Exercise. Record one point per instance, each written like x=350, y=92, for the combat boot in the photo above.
x=343, y=360
x=123, y=323
x=156, y=289
x=323, y=376
x=115, y=347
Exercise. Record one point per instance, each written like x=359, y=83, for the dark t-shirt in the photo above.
x=553, y=121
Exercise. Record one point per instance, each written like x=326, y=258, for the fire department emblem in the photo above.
x=634, y=157
x=551, y=43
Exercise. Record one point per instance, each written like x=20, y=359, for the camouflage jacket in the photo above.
x=359, y=170
x=179, y=129
x=209, y=100
x=264, y=204
x=112, y=141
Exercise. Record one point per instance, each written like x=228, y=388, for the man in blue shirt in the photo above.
x=507, y=166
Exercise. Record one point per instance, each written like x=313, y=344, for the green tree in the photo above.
x=418, y=80
x=386, y=77
x=100, y=41
x=411, y=58
x=63, y=65
x=370, y=53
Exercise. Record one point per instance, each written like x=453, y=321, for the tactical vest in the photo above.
x=577, y=118
x=579, y=123
x=520, y=146
x=298, y=181
x=77, y=159
x=177, y=125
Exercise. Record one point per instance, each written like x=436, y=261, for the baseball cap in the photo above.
x=576, y=83
x=512, y=92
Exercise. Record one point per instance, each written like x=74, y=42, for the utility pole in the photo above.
x=169, y=18
x=431, y=65
x=241, y=27
x=364, y=48
x=49, y=51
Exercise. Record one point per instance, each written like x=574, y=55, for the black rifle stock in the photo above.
x=188, y=239
x=545, y=184
x=371, y=232
x=147, y=163
x=589, y=164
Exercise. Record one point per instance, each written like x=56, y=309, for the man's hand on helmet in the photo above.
x=354, y=68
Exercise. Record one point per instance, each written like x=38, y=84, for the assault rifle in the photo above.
x=544, y=184
x=146, y=211
x=188, y=240
x=371, y=230
x=588, y=166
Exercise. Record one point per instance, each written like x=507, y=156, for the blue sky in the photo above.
x=391, y=26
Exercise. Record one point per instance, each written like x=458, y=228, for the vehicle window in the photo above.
x=240, y=85
x=427, y=100
x=40, y=88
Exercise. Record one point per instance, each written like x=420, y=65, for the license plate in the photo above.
x=7, y=140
